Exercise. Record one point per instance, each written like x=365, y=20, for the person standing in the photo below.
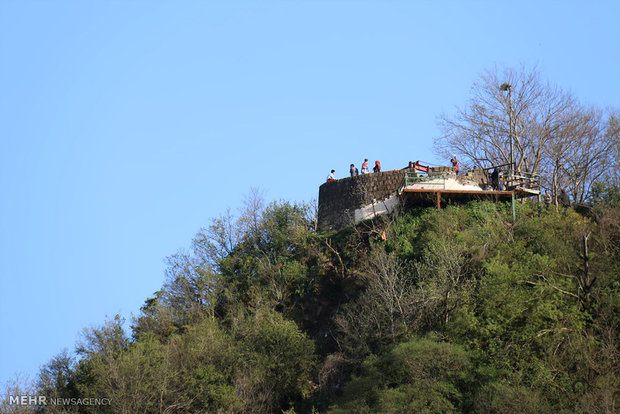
x=547, y=198
x=455, y=165
x=353, y=170
x=495, y=179
x=365, y=166
x=377, y=167
x=564, y=198
x=331, y=176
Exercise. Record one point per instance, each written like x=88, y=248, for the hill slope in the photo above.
x=458, y=310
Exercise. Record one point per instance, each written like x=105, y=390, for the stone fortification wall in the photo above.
x=339, y=199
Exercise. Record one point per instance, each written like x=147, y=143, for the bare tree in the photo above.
x=590, y=159
x=582, y=152
x=190, y=290
x=312, y=217
x=513, y=115
x=16, y=386
x=253, y=207
x=216, y=241
x=444, y=278
x=384, y=312
x=613, y=136
x=512, y=104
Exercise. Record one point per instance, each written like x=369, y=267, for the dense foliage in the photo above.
x=426, y=311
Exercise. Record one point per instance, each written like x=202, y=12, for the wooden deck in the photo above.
x=437, y=195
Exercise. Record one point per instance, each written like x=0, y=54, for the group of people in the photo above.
x=563, y=198
x=497, y=180
x=354, y=171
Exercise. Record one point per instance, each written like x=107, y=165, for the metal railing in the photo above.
x=522, y=179
x=511, y=179
x=412, y=178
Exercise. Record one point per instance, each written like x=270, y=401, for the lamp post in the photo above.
x=508, y=87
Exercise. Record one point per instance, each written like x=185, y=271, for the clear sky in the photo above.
x=126, y=125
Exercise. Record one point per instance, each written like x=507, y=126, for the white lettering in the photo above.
x=27, y=400
x=42, y=400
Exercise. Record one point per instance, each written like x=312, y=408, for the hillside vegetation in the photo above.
x=424, y=311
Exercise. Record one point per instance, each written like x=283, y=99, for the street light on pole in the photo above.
x=508, y=87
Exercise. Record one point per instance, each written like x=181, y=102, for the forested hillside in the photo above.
x=423, y=311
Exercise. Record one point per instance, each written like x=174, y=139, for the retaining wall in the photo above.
x=339, y=199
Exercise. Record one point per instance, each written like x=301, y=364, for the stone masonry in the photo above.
x=339, y=199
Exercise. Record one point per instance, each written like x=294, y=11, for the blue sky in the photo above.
x=126, y=125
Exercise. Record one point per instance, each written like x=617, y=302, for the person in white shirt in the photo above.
x=365, y=166
x=332, y=176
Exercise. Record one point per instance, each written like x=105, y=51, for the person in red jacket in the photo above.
x=455, y=165
x=377, y=167
x=365, y=166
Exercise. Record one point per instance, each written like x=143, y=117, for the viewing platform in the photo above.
x=442, y=184
x=347, y=201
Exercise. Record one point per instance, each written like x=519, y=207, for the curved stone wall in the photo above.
x=339, y=199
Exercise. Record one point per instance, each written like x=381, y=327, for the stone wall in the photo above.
x=339, y=199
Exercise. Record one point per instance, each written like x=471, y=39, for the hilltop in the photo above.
x=421, y=310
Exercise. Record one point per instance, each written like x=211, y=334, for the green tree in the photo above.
x=422, y=375
x=277, y=362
